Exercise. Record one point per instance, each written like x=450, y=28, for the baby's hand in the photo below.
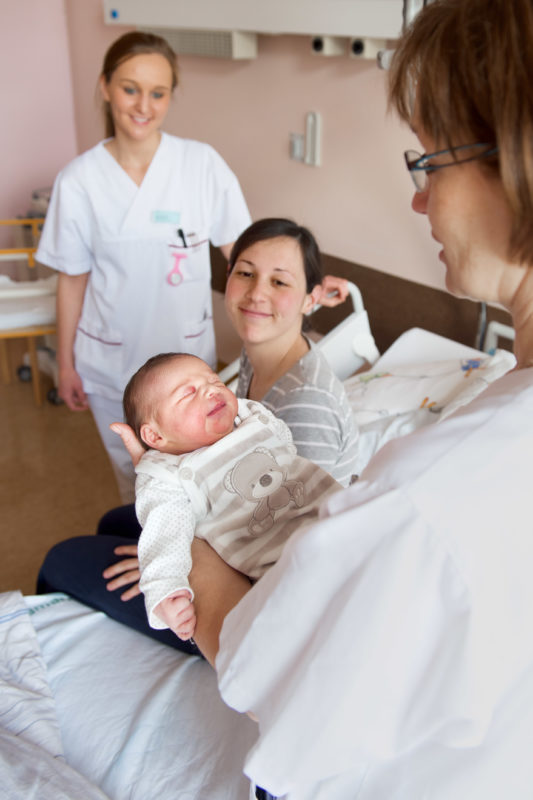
x=177, y=611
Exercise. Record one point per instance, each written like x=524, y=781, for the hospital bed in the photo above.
x=110, y=713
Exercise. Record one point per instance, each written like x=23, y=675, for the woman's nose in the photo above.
x=419, y=202
x=143, y=102
x=256, y=290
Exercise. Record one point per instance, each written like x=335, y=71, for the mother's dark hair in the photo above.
x=273, y=228
x=463, y=73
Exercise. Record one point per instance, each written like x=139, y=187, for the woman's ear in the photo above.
x=312, y=299
x=150, y=436
x=102, y=83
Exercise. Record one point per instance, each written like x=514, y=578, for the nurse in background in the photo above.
x=128, y=228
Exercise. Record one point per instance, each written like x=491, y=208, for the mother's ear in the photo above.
x=312, y=299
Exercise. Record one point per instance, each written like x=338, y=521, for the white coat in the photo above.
x=147, y=249
x=406, y=671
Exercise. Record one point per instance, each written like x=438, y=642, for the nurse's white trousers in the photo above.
x=105, y=412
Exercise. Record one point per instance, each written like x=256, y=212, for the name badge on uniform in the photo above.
x=168, y=217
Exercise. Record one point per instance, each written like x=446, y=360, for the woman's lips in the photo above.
x=250, y=312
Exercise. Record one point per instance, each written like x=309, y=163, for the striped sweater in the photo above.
x=311, y=400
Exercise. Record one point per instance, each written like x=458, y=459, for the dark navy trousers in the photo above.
x=75, y=567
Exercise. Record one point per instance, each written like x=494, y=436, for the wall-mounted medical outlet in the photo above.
x=328, y=45
x=366, y=48
x=297, y=146
x=307, y=147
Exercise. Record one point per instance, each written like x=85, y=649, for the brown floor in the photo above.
x=55, y=479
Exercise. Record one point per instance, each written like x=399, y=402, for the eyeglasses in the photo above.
x=420, y=166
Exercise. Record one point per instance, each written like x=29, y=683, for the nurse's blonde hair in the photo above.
x=133, y=44
x=463, y=73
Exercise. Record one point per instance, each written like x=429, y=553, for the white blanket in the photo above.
x=396, y=398
x=143, y=721
x=32, y=764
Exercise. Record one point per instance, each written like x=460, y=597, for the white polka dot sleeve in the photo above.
x=168, y=524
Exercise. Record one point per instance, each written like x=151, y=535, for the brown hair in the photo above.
x=135, y=400
x=132, y=44
x=469, y=63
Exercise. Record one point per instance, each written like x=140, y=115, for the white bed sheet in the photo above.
x=420, y=380
x=137, y=718
x=32, y=761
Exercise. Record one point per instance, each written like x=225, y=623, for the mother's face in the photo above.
x=266, y=293
x=470, y=217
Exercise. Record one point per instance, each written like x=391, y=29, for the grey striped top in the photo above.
x=311, y=400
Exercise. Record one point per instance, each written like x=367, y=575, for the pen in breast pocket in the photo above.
x=182, y=237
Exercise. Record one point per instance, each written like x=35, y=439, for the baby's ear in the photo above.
x=150, y=436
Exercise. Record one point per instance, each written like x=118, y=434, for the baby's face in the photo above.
x=193, y=408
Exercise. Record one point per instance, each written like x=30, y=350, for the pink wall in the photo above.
x=37, y=135
x=357, y=203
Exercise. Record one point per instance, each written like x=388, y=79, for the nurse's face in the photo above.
x=470, y=217
x=266, y=293
x=138, y=94
x=192, y=408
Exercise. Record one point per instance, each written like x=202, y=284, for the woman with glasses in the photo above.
x=420, y=682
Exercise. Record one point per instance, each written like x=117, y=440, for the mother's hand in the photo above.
x=124, y=572
x=129, y=440
x=334, y=291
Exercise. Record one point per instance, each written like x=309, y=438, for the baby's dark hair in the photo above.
x=135, y=402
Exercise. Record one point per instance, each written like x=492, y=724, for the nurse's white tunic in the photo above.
x=147, y=249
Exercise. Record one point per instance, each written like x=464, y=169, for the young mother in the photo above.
x=275, y=279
